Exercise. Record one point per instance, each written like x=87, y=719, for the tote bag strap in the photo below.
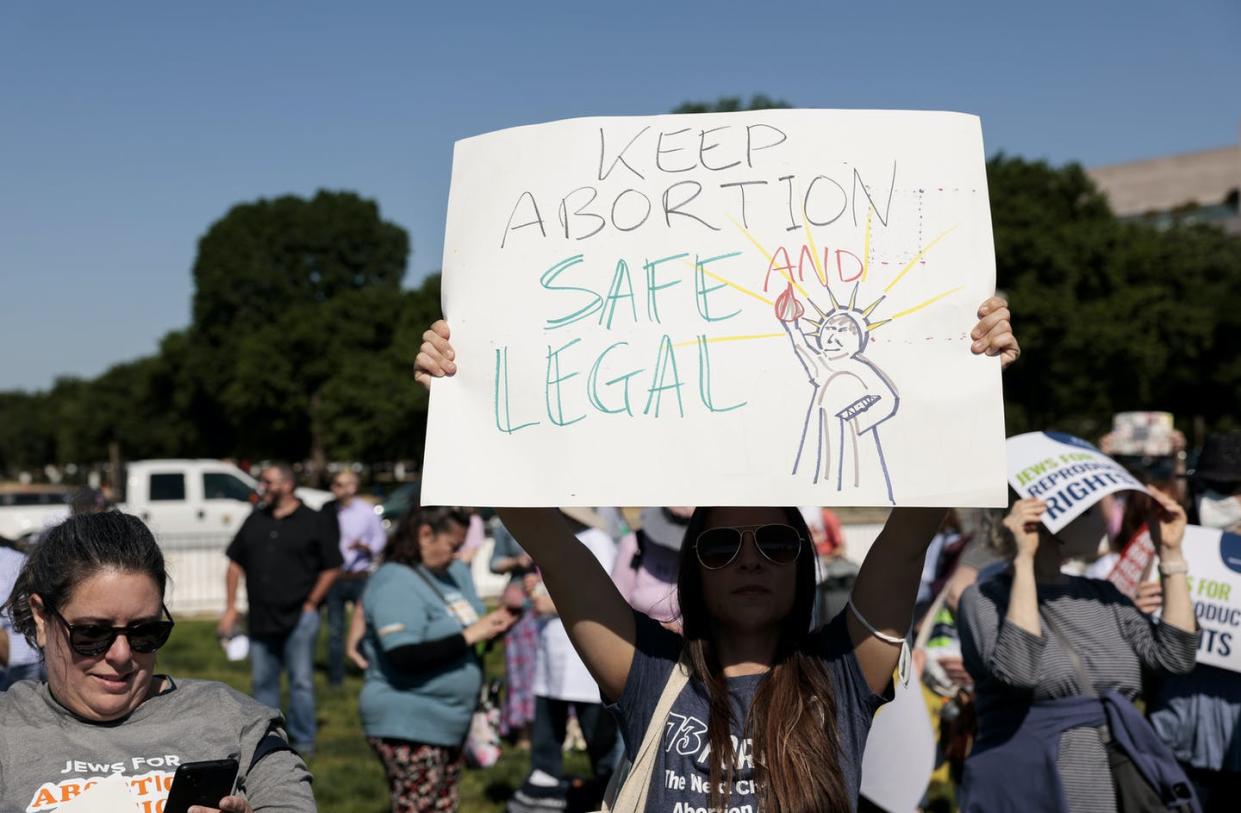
x=447, y=604
x=637, y=784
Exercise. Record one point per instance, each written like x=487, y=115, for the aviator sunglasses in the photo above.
x=92, y=640
x=718, y=547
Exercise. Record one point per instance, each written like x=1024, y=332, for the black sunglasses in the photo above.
x=718, y=547
x=92, y=640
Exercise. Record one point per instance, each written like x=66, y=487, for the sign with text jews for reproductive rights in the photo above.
x=759, y=308
x=1066, y=472
x=1214, y=559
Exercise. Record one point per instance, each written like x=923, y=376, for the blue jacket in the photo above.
x=1013, y=764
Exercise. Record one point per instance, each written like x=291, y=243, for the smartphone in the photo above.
x=201, y=783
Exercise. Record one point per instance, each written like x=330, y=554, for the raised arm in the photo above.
x=1010, y=649
x=886, y=587
x=1171, y=645
x=599, y=621
x=888, y=581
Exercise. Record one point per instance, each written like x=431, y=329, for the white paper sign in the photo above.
x=900, y=752
x=1066, y=472
x=761, y=308
x=1214, y=559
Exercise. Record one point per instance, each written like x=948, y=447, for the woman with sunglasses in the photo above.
x=91, y=598
x=775, y=715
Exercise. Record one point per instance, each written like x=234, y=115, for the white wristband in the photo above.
x=903, y=662
x=891, y=639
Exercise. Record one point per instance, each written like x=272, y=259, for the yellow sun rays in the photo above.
x=921, y=253
x=821, y=273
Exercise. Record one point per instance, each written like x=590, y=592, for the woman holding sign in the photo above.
x=772, y=715
x=1057, y=661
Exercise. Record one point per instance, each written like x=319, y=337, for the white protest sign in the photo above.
x=1214, y=559
x=1066, y=472
x=900, y=752
x=760, y=308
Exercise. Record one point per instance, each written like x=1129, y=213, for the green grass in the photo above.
x=348, y=776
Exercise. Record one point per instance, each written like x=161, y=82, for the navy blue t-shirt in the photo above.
x=681, y=778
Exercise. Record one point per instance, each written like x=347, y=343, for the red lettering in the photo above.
x=801, y=265
x=787, y=268
x=840, y=265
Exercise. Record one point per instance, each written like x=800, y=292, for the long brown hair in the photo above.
x=792, y=720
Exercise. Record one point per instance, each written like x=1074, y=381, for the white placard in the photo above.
x=1066, y=472
x=900, y=752
x=760, y=308
x=1214, y=559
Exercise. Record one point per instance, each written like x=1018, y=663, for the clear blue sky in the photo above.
x=127, y=128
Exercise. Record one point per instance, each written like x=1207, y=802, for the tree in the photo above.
x=26, y=436
x=288, y=292
x=1112, y=315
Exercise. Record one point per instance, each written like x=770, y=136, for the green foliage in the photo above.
x=302, y=338
x=291, y=296
x=1111, y=315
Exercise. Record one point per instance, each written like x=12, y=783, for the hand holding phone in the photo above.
x=203, y=784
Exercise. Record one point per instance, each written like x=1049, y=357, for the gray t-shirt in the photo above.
x=48, y=756
x=679, y=782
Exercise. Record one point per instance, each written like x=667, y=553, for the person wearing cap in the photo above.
x=562, y=682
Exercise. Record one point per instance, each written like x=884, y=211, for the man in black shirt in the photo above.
x=289, y=555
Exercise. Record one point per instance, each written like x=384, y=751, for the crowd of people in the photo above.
x=707, y=658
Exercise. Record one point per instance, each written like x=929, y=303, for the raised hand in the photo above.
x=1167, y=523
x=993, y=335
x=1023, y=521
x=435, y=358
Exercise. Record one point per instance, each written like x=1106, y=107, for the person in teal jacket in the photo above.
x=422, y=682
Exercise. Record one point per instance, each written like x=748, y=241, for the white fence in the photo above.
x=197, y=567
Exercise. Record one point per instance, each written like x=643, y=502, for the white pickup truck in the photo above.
x=180, y=497
x=195, y=507
x=25, y=510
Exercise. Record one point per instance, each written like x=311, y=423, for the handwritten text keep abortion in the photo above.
x=656, y=157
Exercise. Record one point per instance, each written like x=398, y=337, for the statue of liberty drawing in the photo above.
x=851, y=397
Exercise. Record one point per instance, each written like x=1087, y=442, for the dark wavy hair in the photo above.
x=403, y=547
x=792, y=720
x=75, y=550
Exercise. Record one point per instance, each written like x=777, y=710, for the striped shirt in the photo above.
x=1113, y=639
